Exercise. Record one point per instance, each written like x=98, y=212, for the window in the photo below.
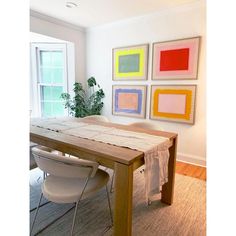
x=49, y=78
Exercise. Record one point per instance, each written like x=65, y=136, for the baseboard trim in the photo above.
x=195, y=160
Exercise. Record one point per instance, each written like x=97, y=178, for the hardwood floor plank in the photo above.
x=191, y=170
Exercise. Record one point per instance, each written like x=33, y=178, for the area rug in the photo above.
x=186, y=217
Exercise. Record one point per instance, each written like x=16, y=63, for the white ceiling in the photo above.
x=91, y=13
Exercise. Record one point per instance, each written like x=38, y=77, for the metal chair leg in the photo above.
x=109, y=204
x=75, y=213
x=44, y=177
x=36, y=213
x=76, y=207
x=112, y=182
x=52, y=222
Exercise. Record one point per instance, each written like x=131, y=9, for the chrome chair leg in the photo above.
x=36, y=213
x=112, y=182
x=75, y=213
x=52, y=222
x=109, y=204
x=44, y=177
x=76, y=207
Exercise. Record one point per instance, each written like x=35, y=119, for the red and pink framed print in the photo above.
x=129, y=100
x=173, y=103
x=177, y=59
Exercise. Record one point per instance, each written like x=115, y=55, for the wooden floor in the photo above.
x=191, y=170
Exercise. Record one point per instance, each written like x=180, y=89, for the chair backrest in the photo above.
x=62, y=166
x=146, y=125
x=32, y=161
x=96, y=118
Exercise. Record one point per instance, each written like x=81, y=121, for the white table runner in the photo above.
x=155, y=148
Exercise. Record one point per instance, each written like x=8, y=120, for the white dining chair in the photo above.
x=33, y=165
x=146, y=125
x=32, y=162
x=68, y=180
x=95, y=118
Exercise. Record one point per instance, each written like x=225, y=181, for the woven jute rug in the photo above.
x=187, y=215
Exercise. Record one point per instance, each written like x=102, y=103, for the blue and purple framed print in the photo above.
x=129, y=100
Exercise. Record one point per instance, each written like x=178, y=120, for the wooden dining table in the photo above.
x=123, y=161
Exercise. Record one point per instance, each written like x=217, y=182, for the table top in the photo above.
x=71, y=144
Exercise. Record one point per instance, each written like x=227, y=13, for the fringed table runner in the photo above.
x=155, y=148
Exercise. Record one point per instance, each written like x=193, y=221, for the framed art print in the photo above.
x=173, y=103
x=176, y=59
x=129, y=100
x=130, y=63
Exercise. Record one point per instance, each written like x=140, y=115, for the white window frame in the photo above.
x=35, y=84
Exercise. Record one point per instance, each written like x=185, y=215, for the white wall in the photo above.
x=180, y=22
x=52, y=27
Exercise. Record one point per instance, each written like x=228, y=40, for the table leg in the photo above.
x=123, y=199
x=167, y=194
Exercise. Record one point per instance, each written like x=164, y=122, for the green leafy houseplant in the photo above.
x=85, y=103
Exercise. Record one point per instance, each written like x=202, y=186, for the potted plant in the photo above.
x=85, y=103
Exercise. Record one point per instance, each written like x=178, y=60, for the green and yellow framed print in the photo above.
x=130, y=63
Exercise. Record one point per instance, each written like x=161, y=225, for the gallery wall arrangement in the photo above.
x=171, y=60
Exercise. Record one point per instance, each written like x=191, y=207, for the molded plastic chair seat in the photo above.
x=33, y=163
x=67, y=190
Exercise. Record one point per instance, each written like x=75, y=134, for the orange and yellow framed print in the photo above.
x=129, y=100
x=130, y=63
x=176, y=59
x=173, y=103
